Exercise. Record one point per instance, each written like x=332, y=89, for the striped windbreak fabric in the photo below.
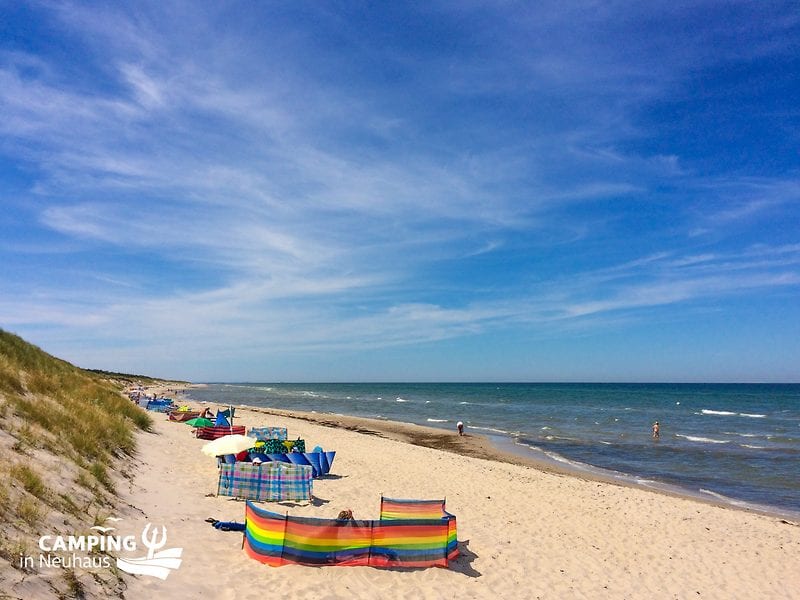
x=217, y=431
x=402, y=541
x=269, y=481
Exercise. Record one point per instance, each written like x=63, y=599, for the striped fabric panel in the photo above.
x=410, y=543
x=327, y=542
x=266, y=482
x=276, y=540
x=393, y=508
x=213, y=433
x=268, y=433
x=452, y=539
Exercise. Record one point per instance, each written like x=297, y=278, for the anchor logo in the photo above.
x=156, y=564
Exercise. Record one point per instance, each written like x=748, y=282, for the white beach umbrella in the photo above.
x=228, y=444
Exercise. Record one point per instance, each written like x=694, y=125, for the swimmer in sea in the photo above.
x=656, y=432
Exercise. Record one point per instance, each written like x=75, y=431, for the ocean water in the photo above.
x=734, y=443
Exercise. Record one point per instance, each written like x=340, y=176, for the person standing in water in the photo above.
x=656, y=432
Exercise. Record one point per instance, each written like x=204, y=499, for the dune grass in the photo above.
x=85, y=412
x=48, y=404
x=66, y=435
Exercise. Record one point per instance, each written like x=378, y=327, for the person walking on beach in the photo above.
x=656, y=432
x=460, y=427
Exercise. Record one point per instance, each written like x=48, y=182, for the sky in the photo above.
x=429, y=191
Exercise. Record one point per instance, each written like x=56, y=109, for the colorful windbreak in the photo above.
x=216, y=432
x=402, y=540
x=269, y=481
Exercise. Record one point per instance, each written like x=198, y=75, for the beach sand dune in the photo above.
x=523, y=532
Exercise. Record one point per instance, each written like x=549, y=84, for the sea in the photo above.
x=737, y=444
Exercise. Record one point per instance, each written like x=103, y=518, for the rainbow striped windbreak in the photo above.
x=410, y=533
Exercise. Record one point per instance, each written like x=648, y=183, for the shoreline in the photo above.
x=523, y=531
x=490, y=447
x=699, y=458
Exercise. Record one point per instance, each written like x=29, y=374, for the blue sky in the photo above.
x=308, y=191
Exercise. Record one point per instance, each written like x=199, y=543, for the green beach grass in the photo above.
x=67, y=437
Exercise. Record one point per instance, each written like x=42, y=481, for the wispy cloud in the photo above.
x=313, y=187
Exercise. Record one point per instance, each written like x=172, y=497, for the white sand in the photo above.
x=523, y=533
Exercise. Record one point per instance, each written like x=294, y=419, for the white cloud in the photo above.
x=315, y=210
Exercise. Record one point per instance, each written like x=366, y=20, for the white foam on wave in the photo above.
x=703, y=440
x=465, y=402
x=714, y=494
x=747, y=435
x=725, y=499
x=399, y=399
x=492, y=429
x=605, y=443
x=752, y=416
x=437, y=420
x=726, y=413
x=545, y=428
x=752, y=446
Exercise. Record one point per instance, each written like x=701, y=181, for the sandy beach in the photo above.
x=523, y=532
